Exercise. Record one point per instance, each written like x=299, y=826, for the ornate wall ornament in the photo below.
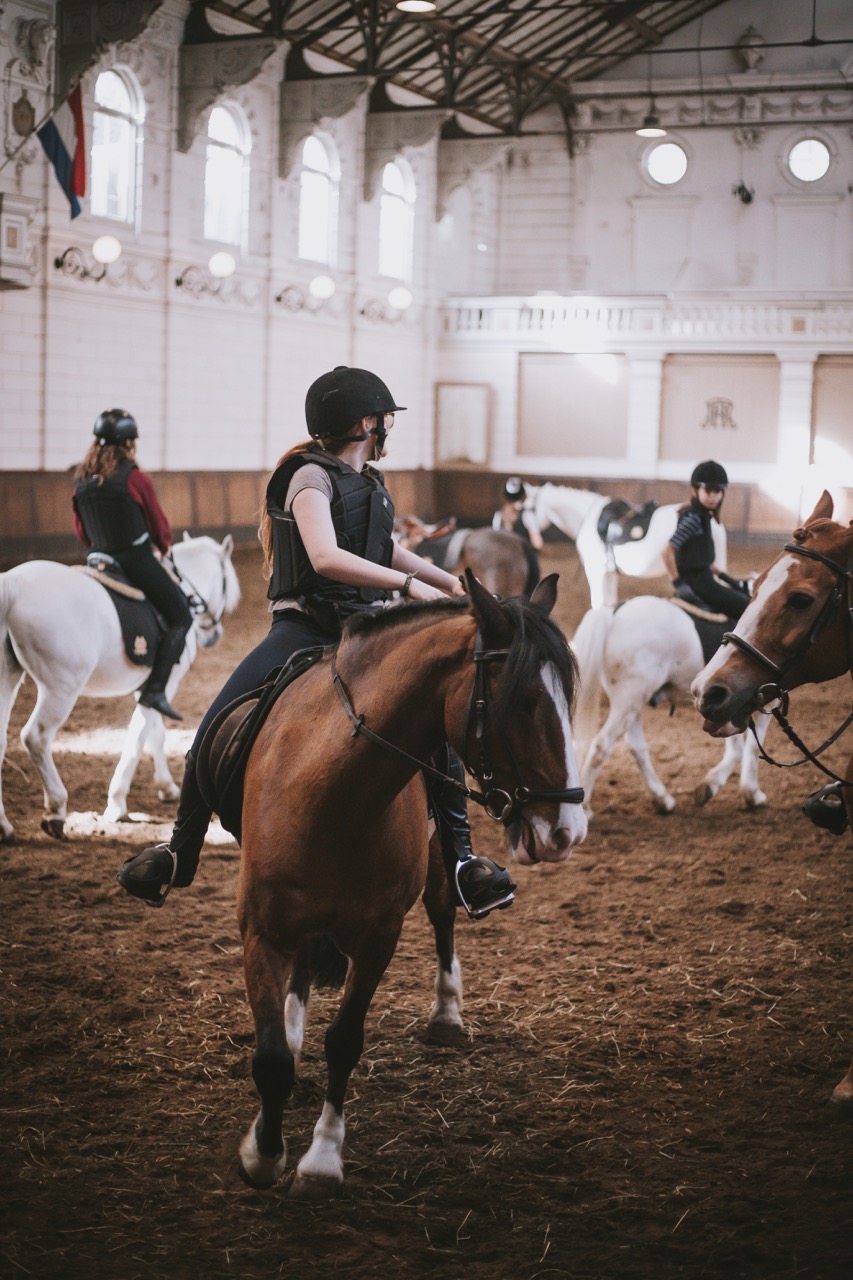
x=719, y=415
x=748, y=136
x=388, y=132
x=32, y=40
x=305, y=104
x=26, y=90
x=207, y=71
x=750, y=49
x=88, y=28
x=17, y=269
x=459, y=159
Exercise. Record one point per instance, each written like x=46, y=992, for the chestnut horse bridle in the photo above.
x=776, y=689
x=500, y=805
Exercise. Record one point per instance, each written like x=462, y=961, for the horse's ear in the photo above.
x=824, y=508
x=227, y=545
x=545, y=594
x=497, y=632
x=187, y=537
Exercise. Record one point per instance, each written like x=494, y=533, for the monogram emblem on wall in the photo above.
x=719, y=415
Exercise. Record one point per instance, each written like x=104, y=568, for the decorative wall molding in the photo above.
x=209, y=70
x=722, y=107
x=306, y=104
x=26, y=89
x=459, y=159
x=388, y=132
x=87, y=28
x=17, y=268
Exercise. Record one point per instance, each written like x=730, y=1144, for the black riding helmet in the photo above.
x=114, y=426
x=710, y=474
x=514, y=489
x=339, y=399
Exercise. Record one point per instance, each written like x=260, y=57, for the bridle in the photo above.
x=777, y=690
x=502, y=806
x=204, y=616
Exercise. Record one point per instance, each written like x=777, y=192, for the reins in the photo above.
x=776, y=689
x=198, y=605
x=497, y=803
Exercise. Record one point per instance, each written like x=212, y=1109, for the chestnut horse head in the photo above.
x=796, y=630
x=335, y=834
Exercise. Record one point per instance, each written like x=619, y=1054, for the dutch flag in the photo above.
x=62, y=139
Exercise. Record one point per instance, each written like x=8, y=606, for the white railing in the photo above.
x=608, y=320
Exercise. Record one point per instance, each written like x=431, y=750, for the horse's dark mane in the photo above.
x=536, y=641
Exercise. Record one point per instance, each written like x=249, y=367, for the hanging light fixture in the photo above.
x=415, y=6
x=651, y=126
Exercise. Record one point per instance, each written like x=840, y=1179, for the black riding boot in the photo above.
x=153, y=872
x=153, y=692
x=480, y=884
x=826, y=809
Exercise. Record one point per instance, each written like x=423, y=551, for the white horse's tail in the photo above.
x=588, y=647
x=8, y=659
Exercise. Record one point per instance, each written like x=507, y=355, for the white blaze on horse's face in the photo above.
x=553, y=840
x=728, y=670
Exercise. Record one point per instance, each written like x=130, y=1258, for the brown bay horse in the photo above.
x=797, y=630
x=335, y=824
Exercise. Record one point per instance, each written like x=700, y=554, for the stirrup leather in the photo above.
x=499, y=883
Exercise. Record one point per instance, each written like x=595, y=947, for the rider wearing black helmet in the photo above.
x=512, y=518
x=117, y=513
x=689, y=554
x=326, y=533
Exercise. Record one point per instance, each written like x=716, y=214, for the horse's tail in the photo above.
x=588, y=646
x=8, y=658
x=321, y=962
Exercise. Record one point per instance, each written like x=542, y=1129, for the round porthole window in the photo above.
x=666, y=163
x=809, y=160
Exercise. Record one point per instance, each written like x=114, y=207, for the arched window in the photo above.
x=396, y=222
x=226, y=173
x=318, y=202
x=116, y=147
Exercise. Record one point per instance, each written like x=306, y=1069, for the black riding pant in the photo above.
x=146, y=572
x=717, y=596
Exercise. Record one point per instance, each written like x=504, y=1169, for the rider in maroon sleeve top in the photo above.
x=117, y=513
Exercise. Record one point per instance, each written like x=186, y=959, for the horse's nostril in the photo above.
x=562, y=839
x=715, y=696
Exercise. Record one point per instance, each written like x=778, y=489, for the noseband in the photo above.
x=776, y=689
x=500, y=805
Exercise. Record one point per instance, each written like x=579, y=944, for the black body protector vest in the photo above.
x=363, y=517
x=697, y=553
x=111, y=520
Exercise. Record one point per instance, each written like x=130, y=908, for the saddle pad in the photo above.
x=225, y=748
x=141, y=625
x=696, y=612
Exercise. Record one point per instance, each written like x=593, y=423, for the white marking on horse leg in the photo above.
x=37, y=737
x=639, y=749
x=753, y=796
x=447, y=1009
x=141, y=724
x=717, y=777
x=167, y=788
x=262, y=1171
x=11, y=679
x=323, y=1159
x=294, y=1024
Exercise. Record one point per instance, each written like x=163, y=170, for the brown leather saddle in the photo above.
x=620, y=522
x=225, y=748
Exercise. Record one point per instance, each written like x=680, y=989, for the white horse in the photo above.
x=59, y=626
x=576, y=511
x=644, y=652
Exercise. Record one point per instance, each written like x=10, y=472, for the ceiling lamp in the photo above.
x=651, y=126
x=415, y=6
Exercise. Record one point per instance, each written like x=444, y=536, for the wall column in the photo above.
x=645, y=383
x=796, y=382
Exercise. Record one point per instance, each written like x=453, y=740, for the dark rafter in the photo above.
x=493, y=60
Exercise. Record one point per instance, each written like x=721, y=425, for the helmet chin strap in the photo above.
x=378, y=430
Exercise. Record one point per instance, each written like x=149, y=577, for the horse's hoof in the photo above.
x=754, y=800
x=54, y=827
x=8, y=838
x=663, y=805
x=315, y=1188
x=702, y=794
x=842, y=1096
x=450, y=1034
x=166, y=794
